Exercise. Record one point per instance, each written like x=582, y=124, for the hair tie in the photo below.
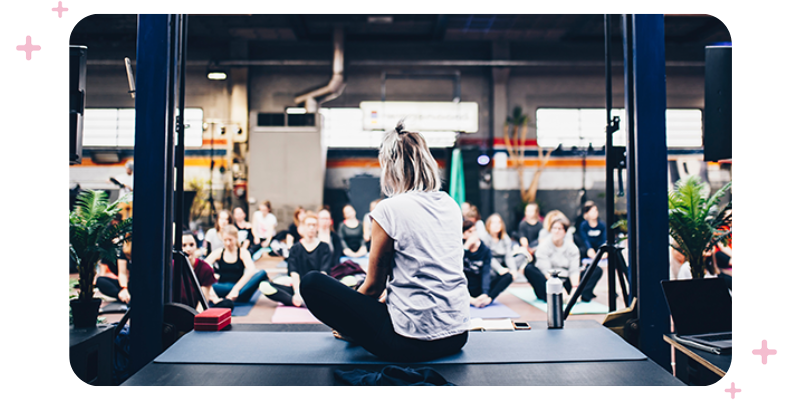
x=400, y=127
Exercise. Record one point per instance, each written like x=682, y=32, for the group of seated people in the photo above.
x=493, y=258
x=309, y=244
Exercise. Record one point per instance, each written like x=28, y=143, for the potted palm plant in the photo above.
x=695, y=220
x=92, y=237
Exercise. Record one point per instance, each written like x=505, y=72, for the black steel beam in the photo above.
x=151, y=210
x=650, y=219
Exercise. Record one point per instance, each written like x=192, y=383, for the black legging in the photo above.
x=108, y=286
x=496, y=286
x=539, y=282
x=283, y=294
x=367, y=322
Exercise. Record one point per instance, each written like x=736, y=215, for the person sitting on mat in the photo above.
x=592, y=231
x=556, y=253
x=309, y=254
x=483, y=288
x=113, y=278
x=548, y=222
x=367, y=223
x=507, y=256
x=213, y=238
x=327, y=235
x=264, y=229
x=529, y=228
x=297, y=218
x=413, y=305
x=202, y=270
x=238, y=276
x=352, y=234
x=246, y=237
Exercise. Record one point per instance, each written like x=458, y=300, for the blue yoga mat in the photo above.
x=494, y=310
x=528, y=296
x=305, y=348
x=242, y=309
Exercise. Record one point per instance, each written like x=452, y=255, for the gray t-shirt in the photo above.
x=427, y=295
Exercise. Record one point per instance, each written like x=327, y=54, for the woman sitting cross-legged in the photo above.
x=483, y=288
x=415, y=257
x=238, y=276
x=307, y=255
x=556, y=253
x=507, y=256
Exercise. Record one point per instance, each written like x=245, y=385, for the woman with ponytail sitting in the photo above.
x=414, y=304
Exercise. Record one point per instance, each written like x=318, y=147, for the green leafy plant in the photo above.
x=695, y=220
x=93, y=237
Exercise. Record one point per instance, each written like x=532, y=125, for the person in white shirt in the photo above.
x=414, y=304
x=264, y=229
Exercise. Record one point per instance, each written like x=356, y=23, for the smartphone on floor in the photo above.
x=521, y=325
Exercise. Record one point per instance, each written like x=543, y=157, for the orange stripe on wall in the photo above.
x=565, y=162
x=217, y=142
x=187, y=162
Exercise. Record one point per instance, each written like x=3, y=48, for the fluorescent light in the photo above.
x=217, y=75
x=295, y=110
x=380, y=20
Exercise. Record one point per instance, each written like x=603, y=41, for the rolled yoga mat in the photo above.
x=527, y=295
x=321, y=348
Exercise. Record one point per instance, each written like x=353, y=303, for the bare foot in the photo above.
x=339, y=336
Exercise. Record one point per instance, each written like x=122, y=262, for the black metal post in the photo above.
x=630, y=109
x=178, y=277
x=151, y=209
x=612, y=284
x=650, y=163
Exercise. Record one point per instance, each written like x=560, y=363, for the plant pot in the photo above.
x=84, y=313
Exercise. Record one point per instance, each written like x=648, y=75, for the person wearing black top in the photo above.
x=114, y=281
x=352, y=233
x=310, y=254
x=246, y=237
x=483, y=288
x=529, y=228
x=294, y=232
x=238, y=276
x=592, y=231
x=327, y=235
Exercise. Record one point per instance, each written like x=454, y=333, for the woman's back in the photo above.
x=426, y=295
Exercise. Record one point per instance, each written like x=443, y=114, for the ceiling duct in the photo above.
x=335, y=86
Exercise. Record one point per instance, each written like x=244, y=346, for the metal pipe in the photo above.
x=336, y=85
x=612, y=285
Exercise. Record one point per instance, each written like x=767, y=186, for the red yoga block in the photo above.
x=213, y=319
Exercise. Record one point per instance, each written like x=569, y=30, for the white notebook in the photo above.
x=480, y=324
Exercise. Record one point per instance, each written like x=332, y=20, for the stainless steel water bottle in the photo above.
x=555, y=302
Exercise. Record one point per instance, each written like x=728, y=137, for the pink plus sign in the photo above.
x=60, y=9
x=28, y=48
x=764, y=352
x=733, y=390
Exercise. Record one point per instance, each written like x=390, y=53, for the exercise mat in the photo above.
x=242, y=309
x=321, y=348
x=527, y=295
x=494, y=310
x=293, y=315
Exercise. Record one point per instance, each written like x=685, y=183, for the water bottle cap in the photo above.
x=554, y=285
